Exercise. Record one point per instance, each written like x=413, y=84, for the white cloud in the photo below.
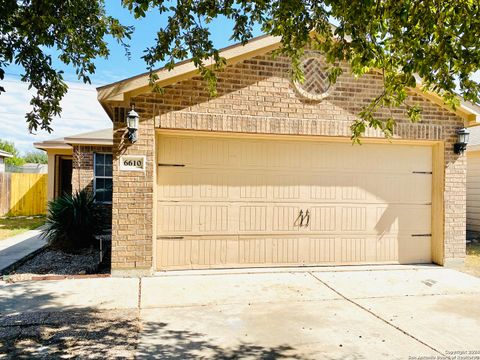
x=81, y=113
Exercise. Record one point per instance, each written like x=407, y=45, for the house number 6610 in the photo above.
x=132, y=163
x=136, y=163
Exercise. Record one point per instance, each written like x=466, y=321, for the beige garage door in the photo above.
x=245, y=202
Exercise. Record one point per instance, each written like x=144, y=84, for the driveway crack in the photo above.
x=139, y=317
x=139, y=305
x=375, y=315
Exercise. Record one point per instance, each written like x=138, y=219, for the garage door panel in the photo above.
x=193, y=253
x=196, y=184
x=213, y=218
x=323, y=218
x=253, y=218
x=413, y=250
x=249, y=155
x=200, y=218
x=321, y=250
x=251, y=186
x=211, y=152
x=285, y=187
x=175, y=150
x=258, y=251
x=237, y=202
x=353, y=218
x=279, y=154
x=401, y=188
x=283, y=155
x=401, y=159
x=175, y=218
x=212, y=186
x=324, y=189
x=285, y=218
x=321, y=156
x=402, y=219
x=175, y=184
x=386, y=248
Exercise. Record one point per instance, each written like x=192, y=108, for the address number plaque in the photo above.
x=132, y=163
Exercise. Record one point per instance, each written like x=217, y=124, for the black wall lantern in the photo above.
x=461, y=145
x=132, y=124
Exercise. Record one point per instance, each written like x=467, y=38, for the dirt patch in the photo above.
x=472, y=259
x=108, y=334
x=57, y=262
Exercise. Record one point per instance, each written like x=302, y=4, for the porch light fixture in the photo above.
x=132, y=124
x=461, y=145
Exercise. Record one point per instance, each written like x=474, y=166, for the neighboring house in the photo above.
x=80, y=161
x=473, y=180
x=265, y=173
x=3, y=155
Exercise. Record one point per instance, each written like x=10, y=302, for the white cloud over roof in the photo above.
x=81, y=113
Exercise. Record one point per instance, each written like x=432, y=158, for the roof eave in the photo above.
x=86, y=141
x=52, y=146
x=467, y=113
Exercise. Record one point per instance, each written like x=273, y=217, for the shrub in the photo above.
x=36, y=157
x=73, y=221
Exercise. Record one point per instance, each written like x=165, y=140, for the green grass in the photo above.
x=12, y=226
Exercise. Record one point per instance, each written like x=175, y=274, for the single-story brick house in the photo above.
x=265, y=173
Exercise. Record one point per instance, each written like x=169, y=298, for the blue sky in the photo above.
x=81, y=111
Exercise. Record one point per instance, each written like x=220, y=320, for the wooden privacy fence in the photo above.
x=23, y=194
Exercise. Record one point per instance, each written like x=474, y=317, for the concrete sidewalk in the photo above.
x=376, y=313
x=17, y=247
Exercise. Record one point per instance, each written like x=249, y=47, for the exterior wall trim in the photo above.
x=323, y=138
x=438, y=203
x=228, y=123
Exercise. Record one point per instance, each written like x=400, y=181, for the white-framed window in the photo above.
x=102, y=177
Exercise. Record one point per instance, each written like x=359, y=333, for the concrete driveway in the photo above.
x=317, y=313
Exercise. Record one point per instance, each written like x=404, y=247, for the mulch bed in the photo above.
x=56, y=264
x=53, y=264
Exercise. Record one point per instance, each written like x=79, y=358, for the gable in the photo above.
x=261, y=89
x=122, y=92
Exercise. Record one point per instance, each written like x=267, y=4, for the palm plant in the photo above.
x=73, y=221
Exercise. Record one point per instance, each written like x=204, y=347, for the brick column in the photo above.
x=133, y=192
x=455, y=202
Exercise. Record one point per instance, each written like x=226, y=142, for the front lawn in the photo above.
x=11, y=226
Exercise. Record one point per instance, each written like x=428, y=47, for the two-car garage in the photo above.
x=264, y=173
x=251, y=201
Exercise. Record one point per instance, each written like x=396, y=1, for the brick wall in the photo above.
x=257, y=96
x=132, y=204
x=82, y=170
x=82, y=165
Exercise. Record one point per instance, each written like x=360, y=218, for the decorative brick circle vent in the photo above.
x=316, y=84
